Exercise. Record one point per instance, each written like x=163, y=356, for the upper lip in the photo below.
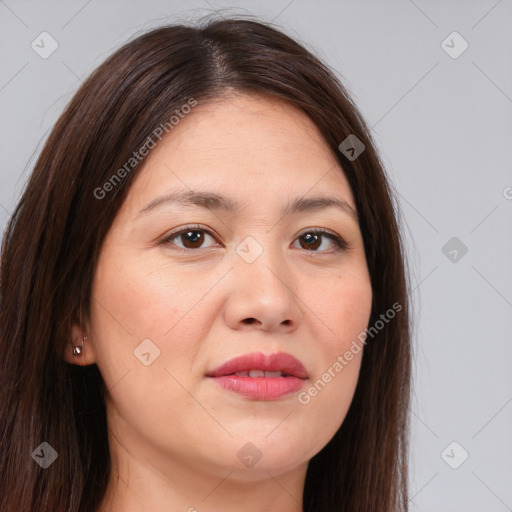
x=280, y=361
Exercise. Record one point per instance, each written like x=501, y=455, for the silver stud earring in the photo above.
x=78, y=350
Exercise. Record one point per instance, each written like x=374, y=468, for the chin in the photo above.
x=253, y=458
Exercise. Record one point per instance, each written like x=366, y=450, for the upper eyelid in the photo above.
x=189, y=228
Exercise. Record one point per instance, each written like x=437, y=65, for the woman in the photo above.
x=204, y=301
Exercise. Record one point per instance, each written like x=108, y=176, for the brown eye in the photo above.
x=313, y=239
x=311, y=242
x=190, y=238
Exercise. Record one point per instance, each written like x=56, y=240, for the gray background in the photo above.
x=444, y=129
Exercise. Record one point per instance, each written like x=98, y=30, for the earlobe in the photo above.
x=79, y=349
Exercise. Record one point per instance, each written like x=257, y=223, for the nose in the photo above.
x=262, y=295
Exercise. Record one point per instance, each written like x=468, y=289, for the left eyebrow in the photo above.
x=319, y=203
x=213, y=201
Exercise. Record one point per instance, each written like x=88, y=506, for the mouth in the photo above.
x=260, y=376
x=259, y=365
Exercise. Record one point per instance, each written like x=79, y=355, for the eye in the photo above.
x=193, y=237
x=313, y=239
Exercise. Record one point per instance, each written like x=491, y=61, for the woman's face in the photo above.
x=168, y=309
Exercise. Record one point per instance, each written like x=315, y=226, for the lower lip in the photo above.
x=260, y=388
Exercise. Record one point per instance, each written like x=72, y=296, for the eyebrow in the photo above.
x=213, y=201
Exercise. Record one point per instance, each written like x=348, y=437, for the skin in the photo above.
x=174, y=434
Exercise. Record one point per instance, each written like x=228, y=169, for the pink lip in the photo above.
x=261, y=388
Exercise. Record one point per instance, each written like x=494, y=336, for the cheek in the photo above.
x=146, y=298
x=340, y=314
x=342, y=307
x=135, y=302
x=138, y=300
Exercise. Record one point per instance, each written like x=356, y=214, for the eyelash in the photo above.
x=341, y=245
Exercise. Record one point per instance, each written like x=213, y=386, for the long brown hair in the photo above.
x=53, y=239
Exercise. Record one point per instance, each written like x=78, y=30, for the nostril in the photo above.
x=250, y=320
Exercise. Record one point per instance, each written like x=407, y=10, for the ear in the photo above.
x=88, y=355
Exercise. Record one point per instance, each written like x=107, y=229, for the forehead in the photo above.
x=253, y=148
